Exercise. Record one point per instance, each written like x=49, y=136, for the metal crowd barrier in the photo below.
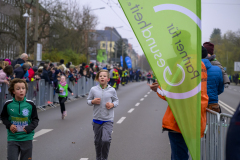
x=43, y=94
x=70, y=85
x=40, y=102
x=224, y=124
x=84, y=85
x=214, y=141
x=79, y=87
x=3, y=97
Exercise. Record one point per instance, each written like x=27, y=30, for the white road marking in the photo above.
x=34, y=140
x=41, y=132
x=137, y=104
x=142, y=99
x=145, y=95
x=149, y=92
x=121, y=120
x=227, y=106
x=84, y=159
x=227, y=109
x=130, y=111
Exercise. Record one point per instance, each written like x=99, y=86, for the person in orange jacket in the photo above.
x=178, y=146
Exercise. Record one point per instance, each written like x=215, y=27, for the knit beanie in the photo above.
x=62, y=61
x=209, y=46
x=35, y=68
x=8, y=60
x=204, y=53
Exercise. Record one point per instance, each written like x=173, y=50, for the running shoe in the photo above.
x=65, y=113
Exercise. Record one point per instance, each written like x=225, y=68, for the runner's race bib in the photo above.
x=62, y=93
x=20, y=123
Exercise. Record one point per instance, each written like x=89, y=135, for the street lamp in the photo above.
x=97, y=9
x=26, y=17
x=89, y=30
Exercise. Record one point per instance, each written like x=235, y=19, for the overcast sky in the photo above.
x=223, y=14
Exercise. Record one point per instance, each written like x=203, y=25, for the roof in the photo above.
x=33, y=4
x=107, y=35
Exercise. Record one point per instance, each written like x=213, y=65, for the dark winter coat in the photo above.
x=19, y=72
x=215, y=85
x=17, y=61
x=45, y=76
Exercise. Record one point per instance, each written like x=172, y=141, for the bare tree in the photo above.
x=73, y=30
x=61, y=25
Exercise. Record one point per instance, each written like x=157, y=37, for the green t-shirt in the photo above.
x=65, y=90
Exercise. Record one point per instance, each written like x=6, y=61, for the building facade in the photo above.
x=12, y=27
x=9, y=48
x=106, y=42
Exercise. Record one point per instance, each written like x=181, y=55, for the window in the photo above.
x=3, y=22
x=103, y=45
x=7, y=23
x=15, y=27
x=30, y=17
x=0, y=20
x=11, y=53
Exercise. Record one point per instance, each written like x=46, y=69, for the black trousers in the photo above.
x=22, y=148
x=62, y=105
x=149, y=80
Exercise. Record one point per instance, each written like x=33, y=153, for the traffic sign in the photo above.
x=236, y=66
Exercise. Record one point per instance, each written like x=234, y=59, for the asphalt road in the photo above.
x=229, y=99
x=138, y=137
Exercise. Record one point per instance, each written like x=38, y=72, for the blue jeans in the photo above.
x=178, y=146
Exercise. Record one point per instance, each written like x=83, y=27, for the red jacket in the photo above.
x=31, y=74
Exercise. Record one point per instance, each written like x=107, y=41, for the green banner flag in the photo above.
x=169, y=32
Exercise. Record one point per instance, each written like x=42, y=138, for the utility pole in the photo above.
x=122, y=52
x=36, y=33
x=111, y=45
x=88, y=30
x=227, y=59
x=115, y=54
x=26, y=16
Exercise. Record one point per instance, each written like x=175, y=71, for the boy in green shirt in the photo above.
x=20, y=117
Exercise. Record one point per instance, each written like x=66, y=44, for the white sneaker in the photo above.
x=65, y=113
